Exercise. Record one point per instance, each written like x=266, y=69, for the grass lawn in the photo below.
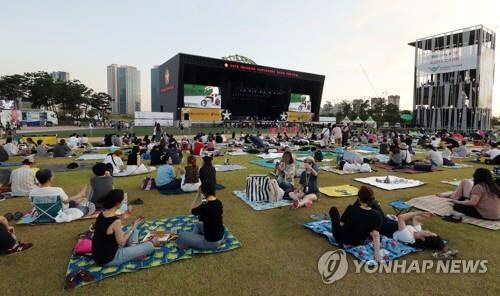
x=278, y=257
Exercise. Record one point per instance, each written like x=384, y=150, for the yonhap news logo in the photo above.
x=333, y=266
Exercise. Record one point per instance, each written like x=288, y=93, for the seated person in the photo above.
x=190, y=179
x=73, y=141
x=11, y=147
x=4, y=155
x=165, y=177
x=478, y=198
x=461, y=151
x=116, y=141
x=354, y=167
x=384, y=147
x=493, y=154
x=114, y=162
x=41, y=149
x=207, y=171
x=8, y=241
x=185, y=145
x=110, y=245
x=446, y=153
x=209, y=232
x=405, y=154
x=61, y=149
x=23, y=180
x=156, y=155
x=358, y=223
x=433, y=157
x=173, y=153
x=218, y=138
x=84, y=140
x=317, y=154
x=134, y=158
x=308, y=190
x=100, y=185
x=45, y=178
x=198, y=146
x=395, y=156
x=211, y=144
x=353, y=157
x=285, y=171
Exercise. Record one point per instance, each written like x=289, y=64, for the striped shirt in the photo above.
x=22, y=180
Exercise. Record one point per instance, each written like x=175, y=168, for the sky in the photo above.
x=332, y=38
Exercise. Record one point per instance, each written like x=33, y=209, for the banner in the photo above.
x=143, y=118
x=202, y=96
x=299, y=103
x=448, y=60
x=299, y=116
x=202, y=114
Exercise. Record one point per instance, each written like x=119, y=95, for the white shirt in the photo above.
x=406, y=235
x=50, y=192
x=72, y=142
x=22, y=181
x=115, y=161
x=446, y=154
x=84, y=140
x=492, y=153
x=11, y=149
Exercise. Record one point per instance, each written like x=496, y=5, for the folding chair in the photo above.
x=400, y=207
x=46, y=208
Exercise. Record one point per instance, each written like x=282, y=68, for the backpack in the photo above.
x=275, y=191
x=257, y=188
x=423, y=167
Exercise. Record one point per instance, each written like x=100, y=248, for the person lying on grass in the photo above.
x=308, y=190
x=358, y=223
x=8, y=241
x=45, y=178
x=112, y=246
x=479, y=197
x=209, y=232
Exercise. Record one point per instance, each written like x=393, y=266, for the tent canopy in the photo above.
x=358, y=120
x=369, y=120
x=346, y=120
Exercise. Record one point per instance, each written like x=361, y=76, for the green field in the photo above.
x=278, y=256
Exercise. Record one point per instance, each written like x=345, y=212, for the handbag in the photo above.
x=257, y=187
x=275, y=191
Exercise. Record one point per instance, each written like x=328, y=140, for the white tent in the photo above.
x=358, y=121
x=370, y=122
x=346, y=120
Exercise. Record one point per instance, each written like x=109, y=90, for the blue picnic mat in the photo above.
x=166, y=254
x=261, y=206
x=363, y=253
x=9, y=164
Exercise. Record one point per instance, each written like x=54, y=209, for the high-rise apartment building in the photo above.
x=124, y=86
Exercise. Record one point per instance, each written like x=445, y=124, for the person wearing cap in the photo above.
x=207, y=171
x=22, y=180
x=308, y=190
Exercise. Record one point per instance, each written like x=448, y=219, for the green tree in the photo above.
x=13, y=87
x=327, y=109
x=391, y=114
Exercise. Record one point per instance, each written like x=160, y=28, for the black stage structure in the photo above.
x=247, y=90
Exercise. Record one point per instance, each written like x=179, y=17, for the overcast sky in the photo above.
x=324, y=37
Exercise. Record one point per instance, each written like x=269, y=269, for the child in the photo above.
x=100, y=185
x=308, y=190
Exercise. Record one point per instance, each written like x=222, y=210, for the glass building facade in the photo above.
x=453, y=87
x=124, y=86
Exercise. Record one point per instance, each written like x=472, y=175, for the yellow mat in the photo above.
x=339, y=191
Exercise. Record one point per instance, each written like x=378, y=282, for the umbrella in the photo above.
x=406, y=117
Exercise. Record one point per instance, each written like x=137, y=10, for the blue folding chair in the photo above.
x=400, y=207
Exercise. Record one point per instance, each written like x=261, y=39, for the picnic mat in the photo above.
x=228, y=167
x=333, y=169
x=457, y=166
x=166, y=254
x=64, y=167
x=396, y=182
x=177, y=191
x=390, y=248
x=94, y=156
x=237, y=153
x=339, y=191
x=261, y=206
x=10, y=164
x=453, y=183
x=302, y=158
x=132, y=170
x=442, y=207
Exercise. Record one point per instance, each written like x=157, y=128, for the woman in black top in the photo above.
x=110, y=245
x=134, y=158
x=209, y=232
x=207, y=171
x=358, y=223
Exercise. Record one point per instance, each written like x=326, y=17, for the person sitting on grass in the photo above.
x=165, y=177
x=134, y=158
x=114, y=162
x=358, y=223
x=41, y=149
x=209, y=232
x=446, y=153
x=190, y=179
x=8, y=241
x=493, y=154
x=22, y=179
x=317, y=154
x=111, y=246
x=207, y=171
x=395, y=159
x=384, y=147
x=45, y=178
x=11, y=148
x=308, y=190
x=479, y=197
x=61, y=149
x=461, y=151
x=173, y=153
x=433, y=157
x=285, y=170
x=100, y=185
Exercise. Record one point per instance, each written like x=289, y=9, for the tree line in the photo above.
x=69, y=99
x=379, y=111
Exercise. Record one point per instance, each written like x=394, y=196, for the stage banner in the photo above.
x=202, y=96
x=299, y=103
x=299, y=116
x=202, y=114
x=448, y=60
